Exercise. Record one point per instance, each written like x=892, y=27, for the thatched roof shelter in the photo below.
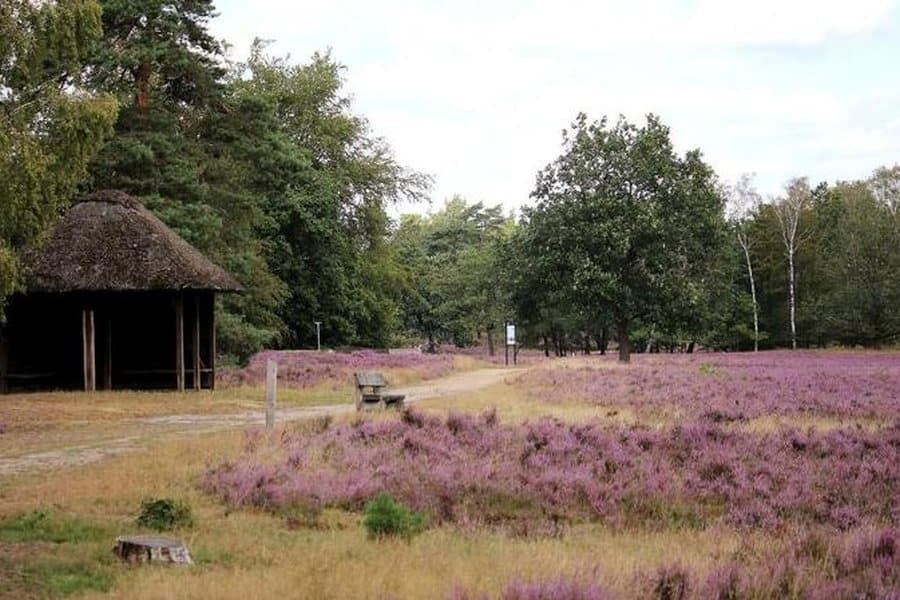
x=110, y=242
x=113, y=295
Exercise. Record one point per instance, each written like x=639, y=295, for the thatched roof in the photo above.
x=111, y=242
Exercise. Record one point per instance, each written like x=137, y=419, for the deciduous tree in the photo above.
x=744, y=200
x=50, y=125
x=629, y=221
x=789, y=210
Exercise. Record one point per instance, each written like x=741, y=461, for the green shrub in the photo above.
x=163, y=514
x=386, y=517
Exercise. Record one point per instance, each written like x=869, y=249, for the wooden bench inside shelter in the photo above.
x=370, y=392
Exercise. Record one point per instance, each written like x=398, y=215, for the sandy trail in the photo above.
x=154, y=430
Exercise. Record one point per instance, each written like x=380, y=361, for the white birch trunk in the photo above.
x=788, y=212
x=745, y=245
x=793, y=299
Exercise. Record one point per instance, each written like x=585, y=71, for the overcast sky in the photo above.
x=477, y=93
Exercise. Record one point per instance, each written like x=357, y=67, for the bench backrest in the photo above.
x=370, y=380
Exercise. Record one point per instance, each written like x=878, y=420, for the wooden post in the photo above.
x=212, y=341
x=179, y=342
x=4, y=362
x=271, y=392
x=107, y=367
x=88, y=337
x=196, y=344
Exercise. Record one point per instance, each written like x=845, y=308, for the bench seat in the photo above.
x=370, y=394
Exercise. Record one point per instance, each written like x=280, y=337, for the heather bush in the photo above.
x=724, y=583
x=669, y=583
x=385, y=517
x=558, y=588
x=303, y=369
x=163, y=514
x=553, y=589
x=536, y=477
x=735, y=386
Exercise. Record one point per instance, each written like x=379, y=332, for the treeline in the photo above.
x=629, y=242
x=264, y=166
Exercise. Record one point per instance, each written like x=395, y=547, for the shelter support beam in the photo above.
x=179, y=342
x=212, y=341
x=107, y=364
x=195, y=346
x=4, y=363
x=88, y=338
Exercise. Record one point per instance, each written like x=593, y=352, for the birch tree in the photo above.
x=788, y=210
x=885, y=185
x=743, y=202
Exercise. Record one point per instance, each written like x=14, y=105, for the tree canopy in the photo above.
x=51, y=126
x=630, y=224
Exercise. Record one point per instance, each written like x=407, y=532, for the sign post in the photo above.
x=271, y=392
x=511, y=341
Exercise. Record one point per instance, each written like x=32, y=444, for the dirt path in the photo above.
x=154, y=430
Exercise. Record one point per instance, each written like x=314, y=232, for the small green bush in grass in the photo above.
x=386, y=517
x=163, y=514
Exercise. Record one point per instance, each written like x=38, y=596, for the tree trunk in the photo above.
x=603, y=342
x=690, y=348
x=546, y=347
x=745, y=245
x=143, y=89
x=624, y=344
x=490, y=338
x=793, y=299
x=649, y=348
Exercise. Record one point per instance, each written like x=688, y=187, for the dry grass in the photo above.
x=273, y=563
x=773, y=423
x=36, y=411
x=513, y=405
x=247, y=554
x=43, y=422
x=410, y=376
x=48, y=421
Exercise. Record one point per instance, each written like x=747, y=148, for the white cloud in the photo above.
x=477, y=92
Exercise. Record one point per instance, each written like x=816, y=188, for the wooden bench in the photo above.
x=370, y=392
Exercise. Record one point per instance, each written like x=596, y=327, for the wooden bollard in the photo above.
x=271, y=392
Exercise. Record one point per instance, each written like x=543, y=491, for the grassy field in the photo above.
x=57, y=527
x=43, y=422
